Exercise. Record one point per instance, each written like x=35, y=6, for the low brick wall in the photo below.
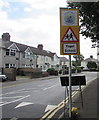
x=32, y=72
x=1, y=70
x=10, y=72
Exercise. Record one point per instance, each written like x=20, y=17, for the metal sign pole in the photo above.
x=70, y=88
x=69, y=39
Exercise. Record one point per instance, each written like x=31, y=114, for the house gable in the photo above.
x=28, y=50
x=13, y=46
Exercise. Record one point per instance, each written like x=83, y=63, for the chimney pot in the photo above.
x=40, y=46
x=91, y=56
x=6, y=37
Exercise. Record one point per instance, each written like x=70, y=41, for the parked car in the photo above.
x=3, y=78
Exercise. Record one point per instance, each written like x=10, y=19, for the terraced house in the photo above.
x=18, y=55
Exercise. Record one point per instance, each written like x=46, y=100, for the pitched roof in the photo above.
x=90, y=59
x=40, y=52
x=23, y=47
x=63, y=59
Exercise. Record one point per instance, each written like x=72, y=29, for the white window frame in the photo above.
x=8, y=65
x=12, y=65
x=12, y=51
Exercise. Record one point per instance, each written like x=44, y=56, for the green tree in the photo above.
x=92, y=65
x=78, y=59
x=89, y=19
x=73, y=63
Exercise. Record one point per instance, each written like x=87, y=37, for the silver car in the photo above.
x=3, y=78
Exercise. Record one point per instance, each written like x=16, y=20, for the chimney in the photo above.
x=40, y=46
x=6, y=37
x=91, y=56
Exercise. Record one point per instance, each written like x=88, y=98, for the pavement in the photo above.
x=89, y=111
x=90, y=101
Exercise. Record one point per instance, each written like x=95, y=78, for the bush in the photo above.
x=92, y=65
x=79, y=69
x=52, y=71
x=56, y=72
x=45, y=74
x=20, y=72
x=65, y=72
x=17, y=72
x=92, y=69
x=73, y=70
x=60, y=72
x=36, y=75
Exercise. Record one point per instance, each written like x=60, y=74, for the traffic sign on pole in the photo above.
x=69, y=30
x=69, y=39
x=69, y=48
x=69, y=36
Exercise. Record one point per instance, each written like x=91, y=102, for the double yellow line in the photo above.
x=53, y=111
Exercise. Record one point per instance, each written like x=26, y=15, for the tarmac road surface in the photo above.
x=33, y=99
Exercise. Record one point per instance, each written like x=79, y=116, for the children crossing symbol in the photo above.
x=69, y=36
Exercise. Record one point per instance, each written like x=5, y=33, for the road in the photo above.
x=33, y=99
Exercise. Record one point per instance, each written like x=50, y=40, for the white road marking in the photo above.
x=1, y=102
x=14, y=118
x=23, y=104
x=50, y=87
x=23, y=97
x=41, y=85
x=49, y=107
x=10, y=97
x=19, y=91
x=12, y=92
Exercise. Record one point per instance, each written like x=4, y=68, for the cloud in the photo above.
x=39, y=23
x=85, y=47
x=34, y=30
x=27, y=9
x=45, y=4
x=4, y=4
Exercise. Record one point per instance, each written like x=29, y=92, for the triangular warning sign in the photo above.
x=69, y=36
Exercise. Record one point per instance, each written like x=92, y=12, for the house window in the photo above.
x=46, y=58
x=41, y=67
x=23, y=65
x=27, y=55
x=10, y=52
x=44, y=67
x=23, y=55
x=7, y=51
x=27, y=66
x=52, y=66
x=12, y=65
x=6, y=65
x=31, y=56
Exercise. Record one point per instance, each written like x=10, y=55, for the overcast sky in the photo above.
x=34, y=22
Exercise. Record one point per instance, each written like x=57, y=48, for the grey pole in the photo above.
x=70, y=88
